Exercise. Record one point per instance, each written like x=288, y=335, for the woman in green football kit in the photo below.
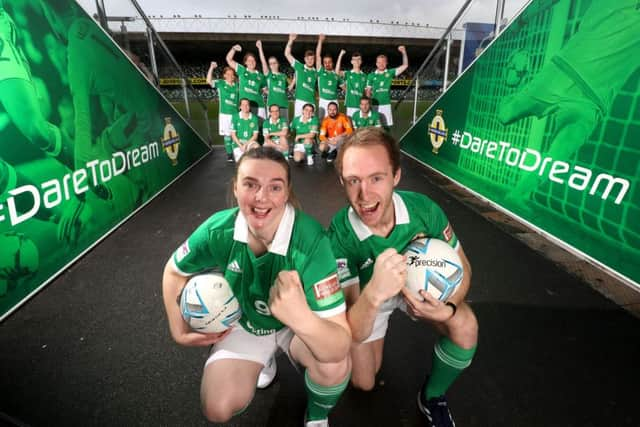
x=279, y=264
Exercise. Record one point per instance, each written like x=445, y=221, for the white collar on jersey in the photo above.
x=361, y=229
x=280, y=243
x=245, y=118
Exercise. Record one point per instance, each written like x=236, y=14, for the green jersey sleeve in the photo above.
x=195, y=255
x=346, y=259
x=322, y=289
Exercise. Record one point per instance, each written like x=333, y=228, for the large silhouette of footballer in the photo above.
x=578, y=85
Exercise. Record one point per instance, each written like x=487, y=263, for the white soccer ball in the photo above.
x=208, y=305
x=434, y=266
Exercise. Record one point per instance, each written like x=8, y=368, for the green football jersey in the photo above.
x=328, y=84
x=356, y=247
x=355, y=84
x=300, y=244
x=380, y=84
x=244, y=128
x=227, y=96
x=372, y=119
x=305, y=82
x=277, y=84
x=301, y=127
x=251, y=84
x=268, y=127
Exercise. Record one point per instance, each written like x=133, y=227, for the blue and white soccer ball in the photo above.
x=208, y=305
x=433, y=266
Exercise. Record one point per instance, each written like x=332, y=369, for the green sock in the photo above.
x=321, y=399
x=449, y=360
x=228, y=145
x=308, y=148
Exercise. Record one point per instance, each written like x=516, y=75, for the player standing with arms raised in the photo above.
x=379, y=86
x=279, y=264
x=227, y=104
x=355, y=82
x=328, y=80
x=250, y=80
x=368, y=238
x=276, y=83
x=305, y=77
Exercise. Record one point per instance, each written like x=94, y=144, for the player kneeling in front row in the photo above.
x=305, y=127
x=335, y=127
x=275, y=130
x=244, y=130
x=368, y=238
x=278, y=263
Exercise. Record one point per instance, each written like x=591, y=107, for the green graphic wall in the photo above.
x=546, y=123
x=85, y=140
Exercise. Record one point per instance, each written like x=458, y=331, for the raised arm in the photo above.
x=321, y=38
x=339, y=63
x=233, y=64
x=212, y=67
x=405, y=61
x=287, y=49
x=263, y=60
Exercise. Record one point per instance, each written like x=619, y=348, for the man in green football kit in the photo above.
x=365, y=117
x=305, y=126
x=244, y=130
x=250, y=80
x=379, y=85
x=279, y=265
x=275, y=130
x=368, y=238
x=328, y=80
x=305, y=78
x=227, y=104
x=354, y=82
x=276, y=82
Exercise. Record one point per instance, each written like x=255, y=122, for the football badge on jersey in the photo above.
x=170, y=141
x=437, y=131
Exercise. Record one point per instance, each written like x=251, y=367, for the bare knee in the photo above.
x=463, y=329
x=220, y=409
x=364, y=382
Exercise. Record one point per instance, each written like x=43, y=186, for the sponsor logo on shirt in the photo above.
x=366, y=264
x=234, y=266
x=326, y=288
x=182, y=251
x=343, y=269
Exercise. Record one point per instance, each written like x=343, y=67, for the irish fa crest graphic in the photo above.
x=170, y=141
x=437, y=131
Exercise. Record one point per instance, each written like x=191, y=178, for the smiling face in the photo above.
x=245, y=106
x=250, y=62
x=327, y=63
x=274, y=113
x=307, y=112
x=274, y=65
x=309, y=59
x=368, y=179
x=365, y=106
x=381, y=62
x=262, y=191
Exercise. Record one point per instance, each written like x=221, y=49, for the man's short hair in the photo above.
x=367, y=137
x=313, y=107
x=365, y=98
x=332, y=103
x=356, y=55
x=309, y=52
x=274, y=105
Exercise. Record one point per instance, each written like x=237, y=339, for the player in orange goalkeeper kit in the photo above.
x=334, y=128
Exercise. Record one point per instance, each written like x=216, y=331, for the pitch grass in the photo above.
x=402, y=117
